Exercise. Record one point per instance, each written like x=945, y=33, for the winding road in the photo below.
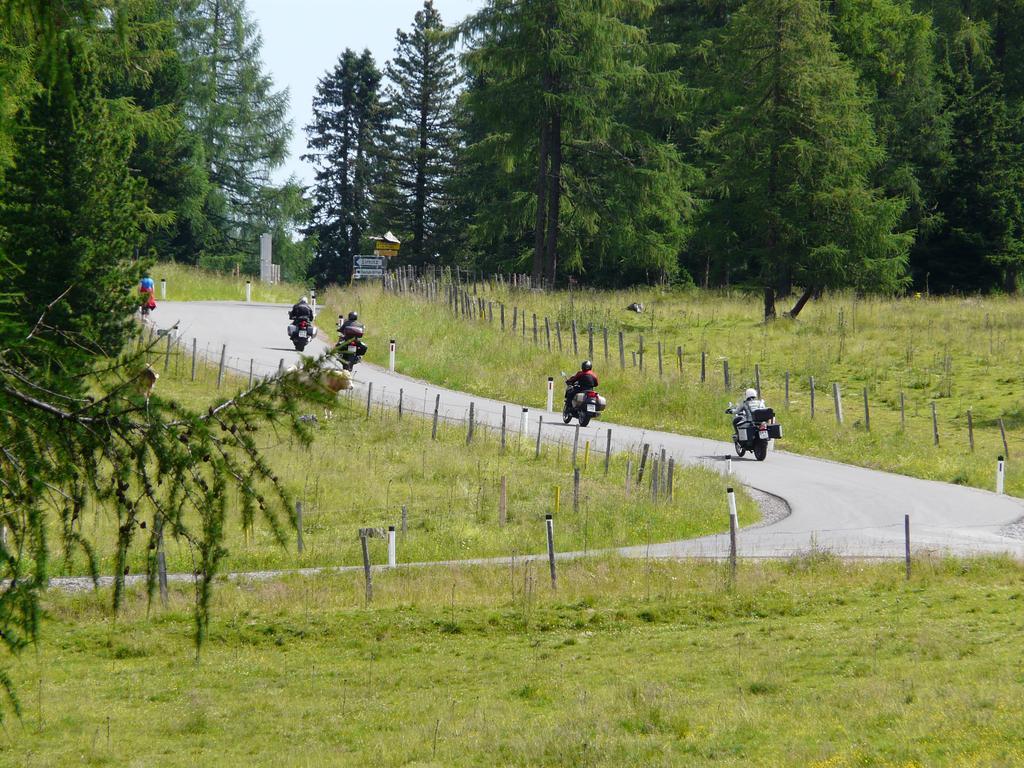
x=847, y=510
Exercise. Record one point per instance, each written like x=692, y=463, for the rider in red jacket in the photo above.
x=583, y=381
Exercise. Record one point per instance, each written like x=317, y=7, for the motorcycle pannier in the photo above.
x=775, y=431
x=763, y=414
x=741, y=433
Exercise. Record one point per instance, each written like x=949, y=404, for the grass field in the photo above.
x=804, y=663
x=361, y=471
x=962, y=354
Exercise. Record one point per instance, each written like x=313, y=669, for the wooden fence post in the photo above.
x=1002, y=432
x=970, y=428
x=812, y=397
x=608, y=452
x=575, y=346
x=503, y=502
x=220, y=370
x=469, y=430
x=437, y=407
x=837, y=400
x=867, y=411
x=193, y=358
x=298, y=527
x=935, y=424
x=367, y=573
x=622, y=353
x=643, y=463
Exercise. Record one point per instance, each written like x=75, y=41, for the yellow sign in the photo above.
x=381, y=248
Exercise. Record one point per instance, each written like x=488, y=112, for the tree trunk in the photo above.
x=769, y=303
x=554, y=196
x=542, y=189
x=804, y=298
x=419, y=215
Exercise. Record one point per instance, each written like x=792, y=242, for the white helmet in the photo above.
x=303, y=300
x=750, y=394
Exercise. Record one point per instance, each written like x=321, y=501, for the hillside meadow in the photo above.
x=809, y=662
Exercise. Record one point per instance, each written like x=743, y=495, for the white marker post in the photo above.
x=732, y=505
x=551, y=393
x=392, y=556
x=391, y=356
x=1000, y=475
x=734, y=525
x=522, y=423
x=728, y=466
x=163, y=287
x=248, y=291
x=312, y=296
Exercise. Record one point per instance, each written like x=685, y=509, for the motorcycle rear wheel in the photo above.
x=760, y=450
x=584, y=419
x=299, y=345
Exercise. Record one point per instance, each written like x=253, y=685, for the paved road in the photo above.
x=848, y=510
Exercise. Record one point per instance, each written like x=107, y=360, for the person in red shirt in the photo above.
x=583, y=381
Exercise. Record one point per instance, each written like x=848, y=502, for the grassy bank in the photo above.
x=362, y=471
x=959, y=354
x=809, y=663
x=188, y=283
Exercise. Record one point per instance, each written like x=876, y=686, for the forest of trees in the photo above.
x=786, y=146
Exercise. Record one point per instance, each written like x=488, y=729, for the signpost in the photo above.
x=368, y=266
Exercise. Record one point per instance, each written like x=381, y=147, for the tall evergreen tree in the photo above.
x=241, y=119
x=424, y=76
x=792, y=158
x=558, y=89
x=346, y=139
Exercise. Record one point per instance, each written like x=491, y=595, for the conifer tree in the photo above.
x=559, y=91
x=241, y=119
x=346, y=141
x=792, y=157
x=424, y=76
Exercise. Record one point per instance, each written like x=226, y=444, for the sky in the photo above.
x=303, y=38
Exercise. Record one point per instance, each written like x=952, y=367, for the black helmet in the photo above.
x=586, y=365
x=353, y=316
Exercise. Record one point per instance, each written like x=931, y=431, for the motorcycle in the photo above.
x=583, y=406
x=350, y=348
x=752, y=434
x=301, y=333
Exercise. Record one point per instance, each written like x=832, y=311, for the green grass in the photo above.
x=808, y=662
x=187, y=283
x=960, y=353
x=360, y=472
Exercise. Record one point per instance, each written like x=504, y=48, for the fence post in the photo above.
x=906, y=540
x=679, y=358
x=670, y=485
x=575, y=346
x=590, y=341
x=604, y=329
x=503, y=502
x=640, y=353
x=1002, y=432
x=757, y=378
x=167, y=355
x=608, y=452
x=469, y=430
x=837, y=399
x=405, y=519
x=643, y=463
x=401, y=401
x=787, y=390
x=622, y=353
x=867, y=412
x=812, y=397
x=367, y=574
x=437, y=407
x=252, y=362
x=549, y=525
x=970, y=428
x=725, y=375
x=535, y=329
x=935, y=424
x=903, y=412
x=661, y=369
x=298, y=527
x=504, y=419
x=575, y=443
x=558, y=334
x=540, y=425
x=547, y=332
x=220, y=370
x=369, y=397
x=576, y=490
x=733, y=526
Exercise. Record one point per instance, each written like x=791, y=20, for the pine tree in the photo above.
x=792, y=158
x=557, y=89
x=424, y=76
x=346, y=139
x=241, y=119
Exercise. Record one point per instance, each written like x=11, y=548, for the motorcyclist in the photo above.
x=582, y=381
x=745, y=410
x=301, y=311
x=147, y=293
x=351, y=330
